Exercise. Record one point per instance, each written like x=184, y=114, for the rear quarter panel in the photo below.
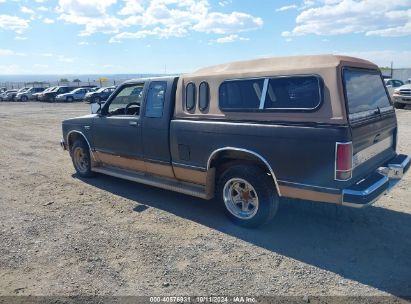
x=297, y=153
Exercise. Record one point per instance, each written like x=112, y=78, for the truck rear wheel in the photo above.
x=248, y=195
x=399, y=105
x=80, y=155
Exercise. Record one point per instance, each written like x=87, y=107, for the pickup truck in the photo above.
x=317, y=128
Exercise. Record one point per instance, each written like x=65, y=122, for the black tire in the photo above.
x=263, y=189
x=399, y=105
x=24, y=98
x=83, y=165
x=69, y=99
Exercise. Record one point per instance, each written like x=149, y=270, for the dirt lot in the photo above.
x=60, y=235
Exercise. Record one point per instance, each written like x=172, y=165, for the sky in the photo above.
x=176, y=36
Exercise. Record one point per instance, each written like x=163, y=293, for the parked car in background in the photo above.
x=75, y=95
x=27, y=95
x=38, y=96
x=402, y=96
x=408, y=80
x=392, y=84
x=13, y=95
x=51, y=95
x=2, y=90
x=101, y=94
x=8, y=95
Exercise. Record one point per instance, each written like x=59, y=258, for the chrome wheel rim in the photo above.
x=240, y=198
x=81, y=160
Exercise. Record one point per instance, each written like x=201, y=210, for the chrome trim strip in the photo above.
x=249, y=152
x=189, y=166
x=160, y=182
x=309, y=186
x=88, y=143
x=255, y=124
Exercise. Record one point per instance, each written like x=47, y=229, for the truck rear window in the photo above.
x=365, y=92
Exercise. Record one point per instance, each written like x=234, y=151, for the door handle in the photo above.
x=133, y=123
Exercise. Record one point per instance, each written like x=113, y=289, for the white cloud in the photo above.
x=65, y=59
x=12, y=69
x=230, y=38
x=40, y=66
x=131, y=7
x=20, y=38
x=160, y=18
x=13, y=23
x=48, y=20
x=225, y=2
x=286, y=8
x=7, y=52
x=219, y=23
x=41, y=1
x=88, y=8
x=42, y=8
x=26, y=10
x=333, y=17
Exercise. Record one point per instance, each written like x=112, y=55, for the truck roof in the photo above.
x=279, y=64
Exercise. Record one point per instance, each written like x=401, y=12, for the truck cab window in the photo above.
x=127, y=101
x=204, y=96
x=190, y=96
x=155, y=99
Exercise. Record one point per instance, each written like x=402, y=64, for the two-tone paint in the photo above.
x=186, y=150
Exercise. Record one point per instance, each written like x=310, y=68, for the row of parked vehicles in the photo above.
x=400, y=92
x=89, y=94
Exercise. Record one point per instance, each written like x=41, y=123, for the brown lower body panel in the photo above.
x=122, y=162
x=310, y=195
x=133, y=164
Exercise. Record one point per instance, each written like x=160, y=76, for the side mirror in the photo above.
x=95, y=107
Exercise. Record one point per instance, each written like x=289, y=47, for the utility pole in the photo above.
x=392, y=72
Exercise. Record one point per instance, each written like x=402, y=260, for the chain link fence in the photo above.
x=101, y=82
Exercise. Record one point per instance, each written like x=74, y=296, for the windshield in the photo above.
x=365, y=92
x=100, y=90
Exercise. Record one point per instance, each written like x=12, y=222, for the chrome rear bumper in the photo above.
x=368, y=190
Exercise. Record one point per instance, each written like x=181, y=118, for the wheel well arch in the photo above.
x=227, y=155
x=73, y=136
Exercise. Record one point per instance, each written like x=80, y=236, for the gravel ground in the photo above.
x=64, y=236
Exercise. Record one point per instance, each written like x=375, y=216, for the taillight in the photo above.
x=343, y=161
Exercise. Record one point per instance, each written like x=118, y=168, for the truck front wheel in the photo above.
x=80, y=155
x=248, y=195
